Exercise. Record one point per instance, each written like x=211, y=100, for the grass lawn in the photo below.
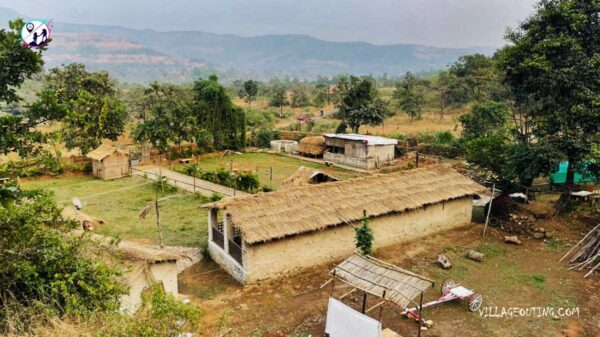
x=283, y=166
x=119, y=202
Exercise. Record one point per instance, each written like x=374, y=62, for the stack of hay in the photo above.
x=312, y=146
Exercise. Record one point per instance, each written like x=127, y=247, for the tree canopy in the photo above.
x=360, y=104
x=410, y=95
x=553, y=67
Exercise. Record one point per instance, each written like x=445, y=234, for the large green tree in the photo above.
x=169, y=117
x=18, y=63
x=360, y=104
x=84, y=103
x=410, y=94
x=553, y=65
x=278, y=97
x=250, y=91
x=213, y=109
x=477, y=74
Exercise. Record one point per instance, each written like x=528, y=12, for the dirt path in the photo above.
x=185, y=182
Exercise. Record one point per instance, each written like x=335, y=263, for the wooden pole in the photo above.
x=420, y=314
x=364, y=306
x=487, y=218
x=160, y=233
x=417, y=159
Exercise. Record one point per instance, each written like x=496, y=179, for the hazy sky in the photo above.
x=451, y=23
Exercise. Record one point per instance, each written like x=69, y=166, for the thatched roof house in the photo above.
x=305, y=176
x=143, y=265
x=312, y=146
x=109, y=162
x=310, y=225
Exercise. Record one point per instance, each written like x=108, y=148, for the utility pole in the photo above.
x=160, y=232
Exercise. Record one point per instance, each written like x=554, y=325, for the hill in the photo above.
x=141, y=55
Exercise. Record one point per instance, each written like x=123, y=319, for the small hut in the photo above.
x=109, y=162
x=305, y=176
x=143, y=266
x=312, y=146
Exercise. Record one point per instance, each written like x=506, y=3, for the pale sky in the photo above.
x=444, y=23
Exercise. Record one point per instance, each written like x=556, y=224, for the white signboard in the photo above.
x=343, y=321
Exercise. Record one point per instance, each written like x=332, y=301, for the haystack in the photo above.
x=312, y=146
x=305, y=176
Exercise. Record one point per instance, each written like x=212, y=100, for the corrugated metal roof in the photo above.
x=370, y=140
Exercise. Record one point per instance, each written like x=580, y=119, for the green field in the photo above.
x=119, y=202
x=283, y=166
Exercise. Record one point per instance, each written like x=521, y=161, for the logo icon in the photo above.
x=36, y=33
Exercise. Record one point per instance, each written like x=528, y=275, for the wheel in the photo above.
x=494, y=222
x=447, y=285
x=475, y=302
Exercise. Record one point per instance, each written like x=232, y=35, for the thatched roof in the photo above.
x=382, y=279
x=268, y=216
x=104, y=151
x=133, y=251
x=314, y=146
x=305, y=176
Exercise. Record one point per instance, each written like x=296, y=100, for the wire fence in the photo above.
x=192, y=187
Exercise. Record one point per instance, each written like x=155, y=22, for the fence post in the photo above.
x=417, y=157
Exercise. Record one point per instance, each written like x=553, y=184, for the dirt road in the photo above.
x=185, y=182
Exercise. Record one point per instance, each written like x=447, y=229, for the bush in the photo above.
x=160, y=315
x=43, y=269
x=215, y=197
x=341, y=128
x=265, y=136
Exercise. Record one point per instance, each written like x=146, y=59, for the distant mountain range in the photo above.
x=135, y=55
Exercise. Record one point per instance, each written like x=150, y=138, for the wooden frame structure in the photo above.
x=385, y=281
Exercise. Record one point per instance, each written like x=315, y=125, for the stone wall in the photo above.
x=283, y=256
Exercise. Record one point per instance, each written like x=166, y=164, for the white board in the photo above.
x=343, y=321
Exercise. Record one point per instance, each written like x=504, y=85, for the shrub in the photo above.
x=265, y=136
x=160, y=315
x=364, y=237
x=43, y=270
x=341, y=128
x=247, y=182
x=215, y=197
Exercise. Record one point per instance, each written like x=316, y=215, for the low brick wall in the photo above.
x=362, y=163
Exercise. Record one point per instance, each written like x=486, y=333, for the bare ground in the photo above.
x=510, y=276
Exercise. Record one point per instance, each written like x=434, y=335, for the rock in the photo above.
x=512, y=239
x=475, y=256
x=428, y=323
x=423, y=328
x=549, y=235
x=539, y=235
x=443, y=261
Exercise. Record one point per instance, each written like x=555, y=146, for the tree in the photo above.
x=360, y=104
x=169, y=117
x=18, y=63
x=212, y=108
x=250, y=91
x=553, y=61
x=451, y=91
x=484, y=120
x=300, y=98
x=321, y=95
x=411, y=96
x=84, y=102
x=279, y=98
x=478, y=75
